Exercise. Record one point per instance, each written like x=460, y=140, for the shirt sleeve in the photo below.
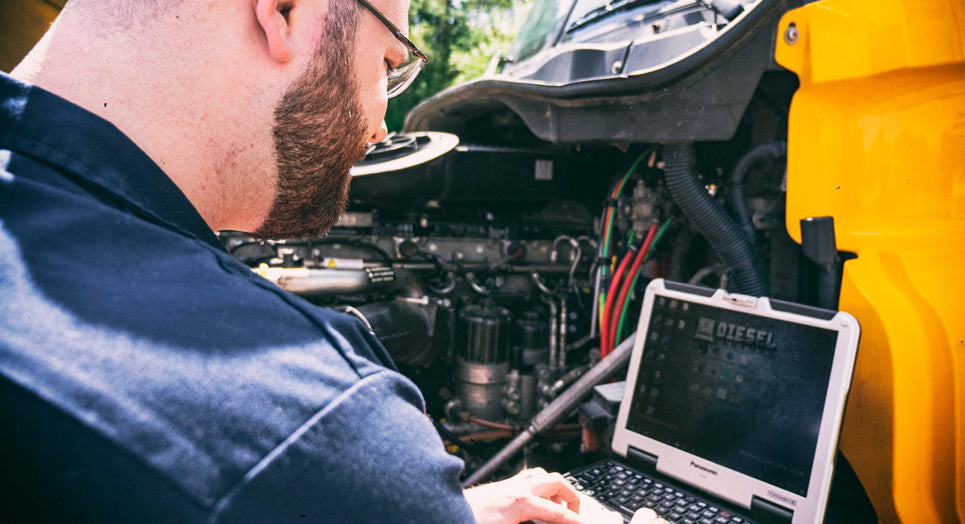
x=370, y=456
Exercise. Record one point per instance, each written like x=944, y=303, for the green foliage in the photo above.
x=460, y=37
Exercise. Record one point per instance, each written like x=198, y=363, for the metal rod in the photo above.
x=558, y=409
x=561, y=353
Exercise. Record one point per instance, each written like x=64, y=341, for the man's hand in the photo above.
x=534, y=494
x=646, y=516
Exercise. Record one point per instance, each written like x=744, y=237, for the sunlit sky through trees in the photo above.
x=461, y=38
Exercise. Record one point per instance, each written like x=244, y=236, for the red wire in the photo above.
x=601, y=319
x=637, y=261
x=610, y=296
x=616, y=276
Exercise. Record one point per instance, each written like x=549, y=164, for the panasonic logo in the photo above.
x=782, y=498
x=703, y=468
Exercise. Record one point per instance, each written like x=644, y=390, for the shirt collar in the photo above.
x=39, y=124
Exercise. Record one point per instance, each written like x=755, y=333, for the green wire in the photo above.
x=616, y=194
x=633, y=283
x=607, y=234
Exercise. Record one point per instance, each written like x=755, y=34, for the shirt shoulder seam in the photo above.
x=296, y=435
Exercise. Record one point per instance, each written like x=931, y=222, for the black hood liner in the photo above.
x=700, y=97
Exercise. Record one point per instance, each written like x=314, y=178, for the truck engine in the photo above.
x=496, y=291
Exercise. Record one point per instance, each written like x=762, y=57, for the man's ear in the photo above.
x=274, y=20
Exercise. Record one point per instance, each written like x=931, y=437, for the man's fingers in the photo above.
x=554, y=487
x=646, y=516
x=541, y=509
x=536, y=495
x=595, y=513
x=530, y=472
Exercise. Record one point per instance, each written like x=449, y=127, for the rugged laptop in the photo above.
x=731, y=410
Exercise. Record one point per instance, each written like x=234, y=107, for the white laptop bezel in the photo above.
x=728, y=484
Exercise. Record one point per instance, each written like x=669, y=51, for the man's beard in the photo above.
x=319, y=135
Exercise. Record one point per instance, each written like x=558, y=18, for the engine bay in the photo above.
x=496, y=275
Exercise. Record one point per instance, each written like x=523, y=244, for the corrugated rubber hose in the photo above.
x=710, y=220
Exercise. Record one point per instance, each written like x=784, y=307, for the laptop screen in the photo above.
x=741, y=390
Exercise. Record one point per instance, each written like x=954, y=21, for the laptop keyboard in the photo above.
x=626, y=490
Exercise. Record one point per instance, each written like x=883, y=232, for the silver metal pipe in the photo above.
x=561, y=354
x=304, y=281
x=554, y=339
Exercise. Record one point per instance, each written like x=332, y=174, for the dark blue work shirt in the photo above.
x=147, y=376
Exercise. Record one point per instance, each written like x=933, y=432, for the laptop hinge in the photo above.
x=641, y=460
x=770, y=513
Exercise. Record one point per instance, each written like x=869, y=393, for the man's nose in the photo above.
x=379, y=135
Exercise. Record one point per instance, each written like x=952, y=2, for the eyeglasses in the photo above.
x=401, y=76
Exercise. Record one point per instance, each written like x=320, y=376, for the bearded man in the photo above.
x=146, y=375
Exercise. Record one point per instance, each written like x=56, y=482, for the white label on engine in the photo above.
x=343, y=263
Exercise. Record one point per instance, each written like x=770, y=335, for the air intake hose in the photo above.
x=710, y=220
x=735, y=195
